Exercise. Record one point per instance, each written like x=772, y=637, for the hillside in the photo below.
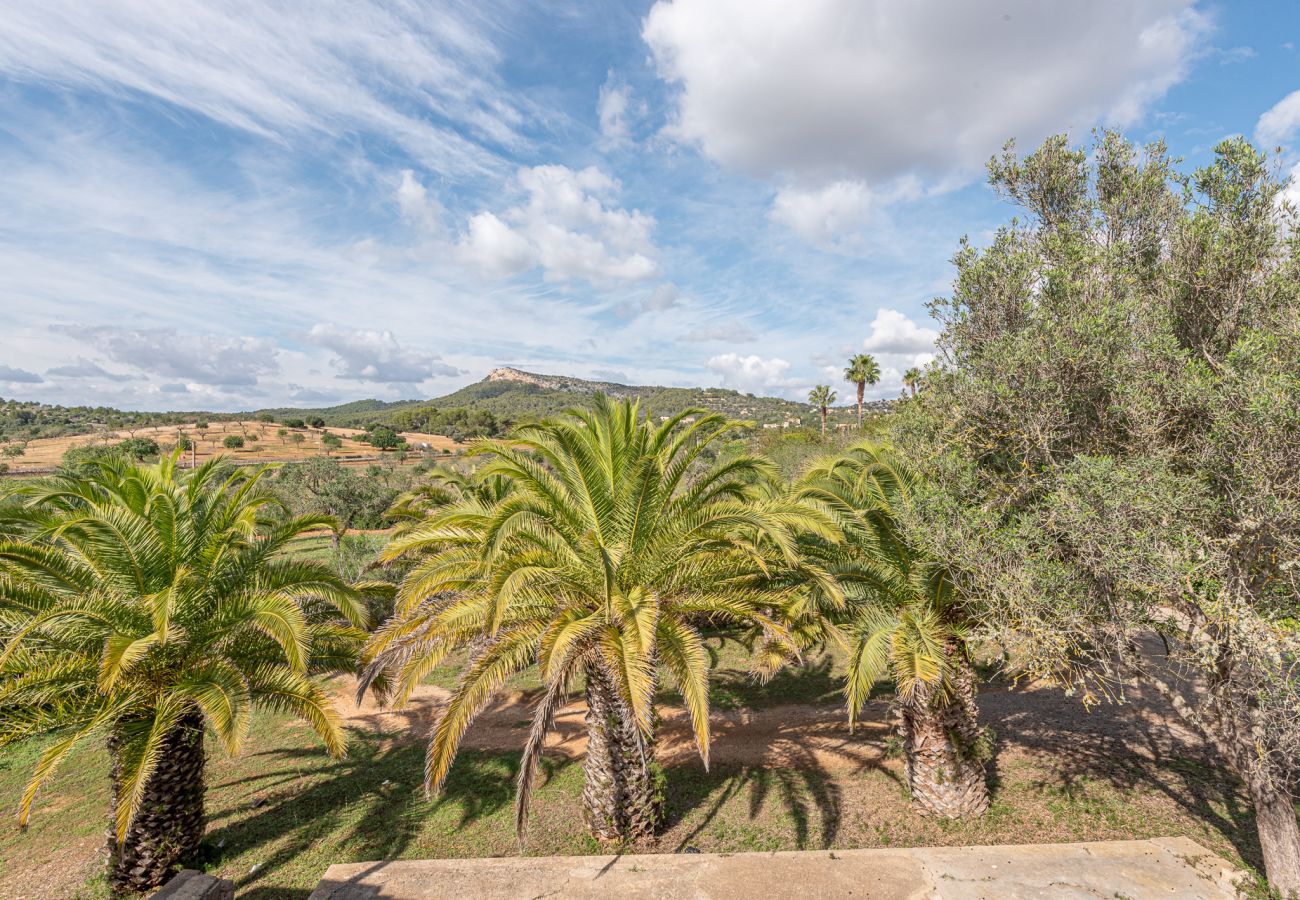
x=509, y=395
x=488, y=407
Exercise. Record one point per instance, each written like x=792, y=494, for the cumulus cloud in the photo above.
x=569, y=225
x=366, y=355
x=497, y=248
x=1280, y=124
x=753, y=374
x=19, y=376
x=85, y=368
x=893, y=332
x=824, y=216
x=871, y=89
x=203, y=358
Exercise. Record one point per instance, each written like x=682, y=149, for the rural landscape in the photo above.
x=887, y=486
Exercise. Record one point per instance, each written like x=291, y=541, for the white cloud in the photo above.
x=366, y=355
x=1292, y=192
x=85, y=368
x=753, y=374
x=893, y=332
x=665, y=296
x=283, y=70
x=211, y=359
x=611, y=108
x=19, y=376
x=569, y=226
x=494, y=246
x=1280, y=124
x=827, y=217
x=824, y=90
x=417, y=204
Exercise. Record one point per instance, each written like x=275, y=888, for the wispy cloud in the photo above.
x=421, y=75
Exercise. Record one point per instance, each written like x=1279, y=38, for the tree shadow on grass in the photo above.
x=1138, y=744
x=369, y=806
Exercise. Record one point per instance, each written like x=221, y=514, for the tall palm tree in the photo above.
x=822, y=397
x=616, y=541
x=900, y=618
x=143, y=604
x=911, y=378
x=862, y=371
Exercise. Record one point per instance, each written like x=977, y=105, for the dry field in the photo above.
x=268, y=446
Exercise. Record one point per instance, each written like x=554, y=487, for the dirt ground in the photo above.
x=45, y=453
x=1029, y=721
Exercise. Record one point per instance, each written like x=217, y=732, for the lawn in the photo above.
x=283, y=811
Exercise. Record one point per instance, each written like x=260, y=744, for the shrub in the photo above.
x=233, y=442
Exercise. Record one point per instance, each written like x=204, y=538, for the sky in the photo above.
x=239, y=205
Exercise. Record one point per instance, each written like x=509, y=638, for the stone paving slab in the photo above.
x=1166, y=868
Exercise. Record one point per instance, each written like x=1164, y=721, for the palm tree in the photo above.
x=900, y=618
x=911, y=378
x=822, y=397
x=862, y=371
x=143, y=604
x=614, y=543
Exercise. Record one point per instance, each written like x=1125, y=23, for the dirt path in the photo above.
x=1028, y=720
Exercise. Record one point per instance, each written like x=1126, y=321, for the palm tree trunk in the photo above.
x=170, y=822
x=862, y=389
x=823, y=423
x=618, y=793
x=941, y=739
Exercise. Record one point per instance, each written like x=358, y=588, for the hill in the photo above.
x=510, y=395
x=488, y=407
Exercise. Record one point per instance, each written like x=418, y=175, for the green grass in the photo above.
x=281, y=813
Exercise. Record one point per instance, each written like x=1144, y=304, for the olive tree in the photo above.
x=1112, y=435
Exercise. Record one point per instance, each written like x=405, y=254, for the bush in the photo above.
x=317, y=422
x=233, y=442
x=137, y=448
x=294, y=423
x=384, y=438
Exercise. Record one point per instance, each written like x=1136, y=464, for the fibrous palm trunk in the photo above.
x=941, y=736
x=618, y=794
x=169, y=823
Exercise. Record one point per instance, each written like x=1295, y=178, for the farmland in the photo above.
x=263, y=442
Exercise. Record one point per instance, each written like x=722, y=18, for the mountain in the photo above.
x=509, y=395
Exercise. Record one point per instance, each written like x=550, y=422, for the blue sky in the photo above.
x=213, y=205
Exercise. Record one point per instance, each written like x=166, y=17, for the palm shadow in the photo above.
x=378, y=789
x=796, y=772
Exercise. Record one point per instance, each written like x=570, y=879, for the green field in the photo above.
x=282, y=812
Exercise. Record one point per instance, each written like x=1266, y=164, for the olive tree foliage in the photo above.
x=1112, y=435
